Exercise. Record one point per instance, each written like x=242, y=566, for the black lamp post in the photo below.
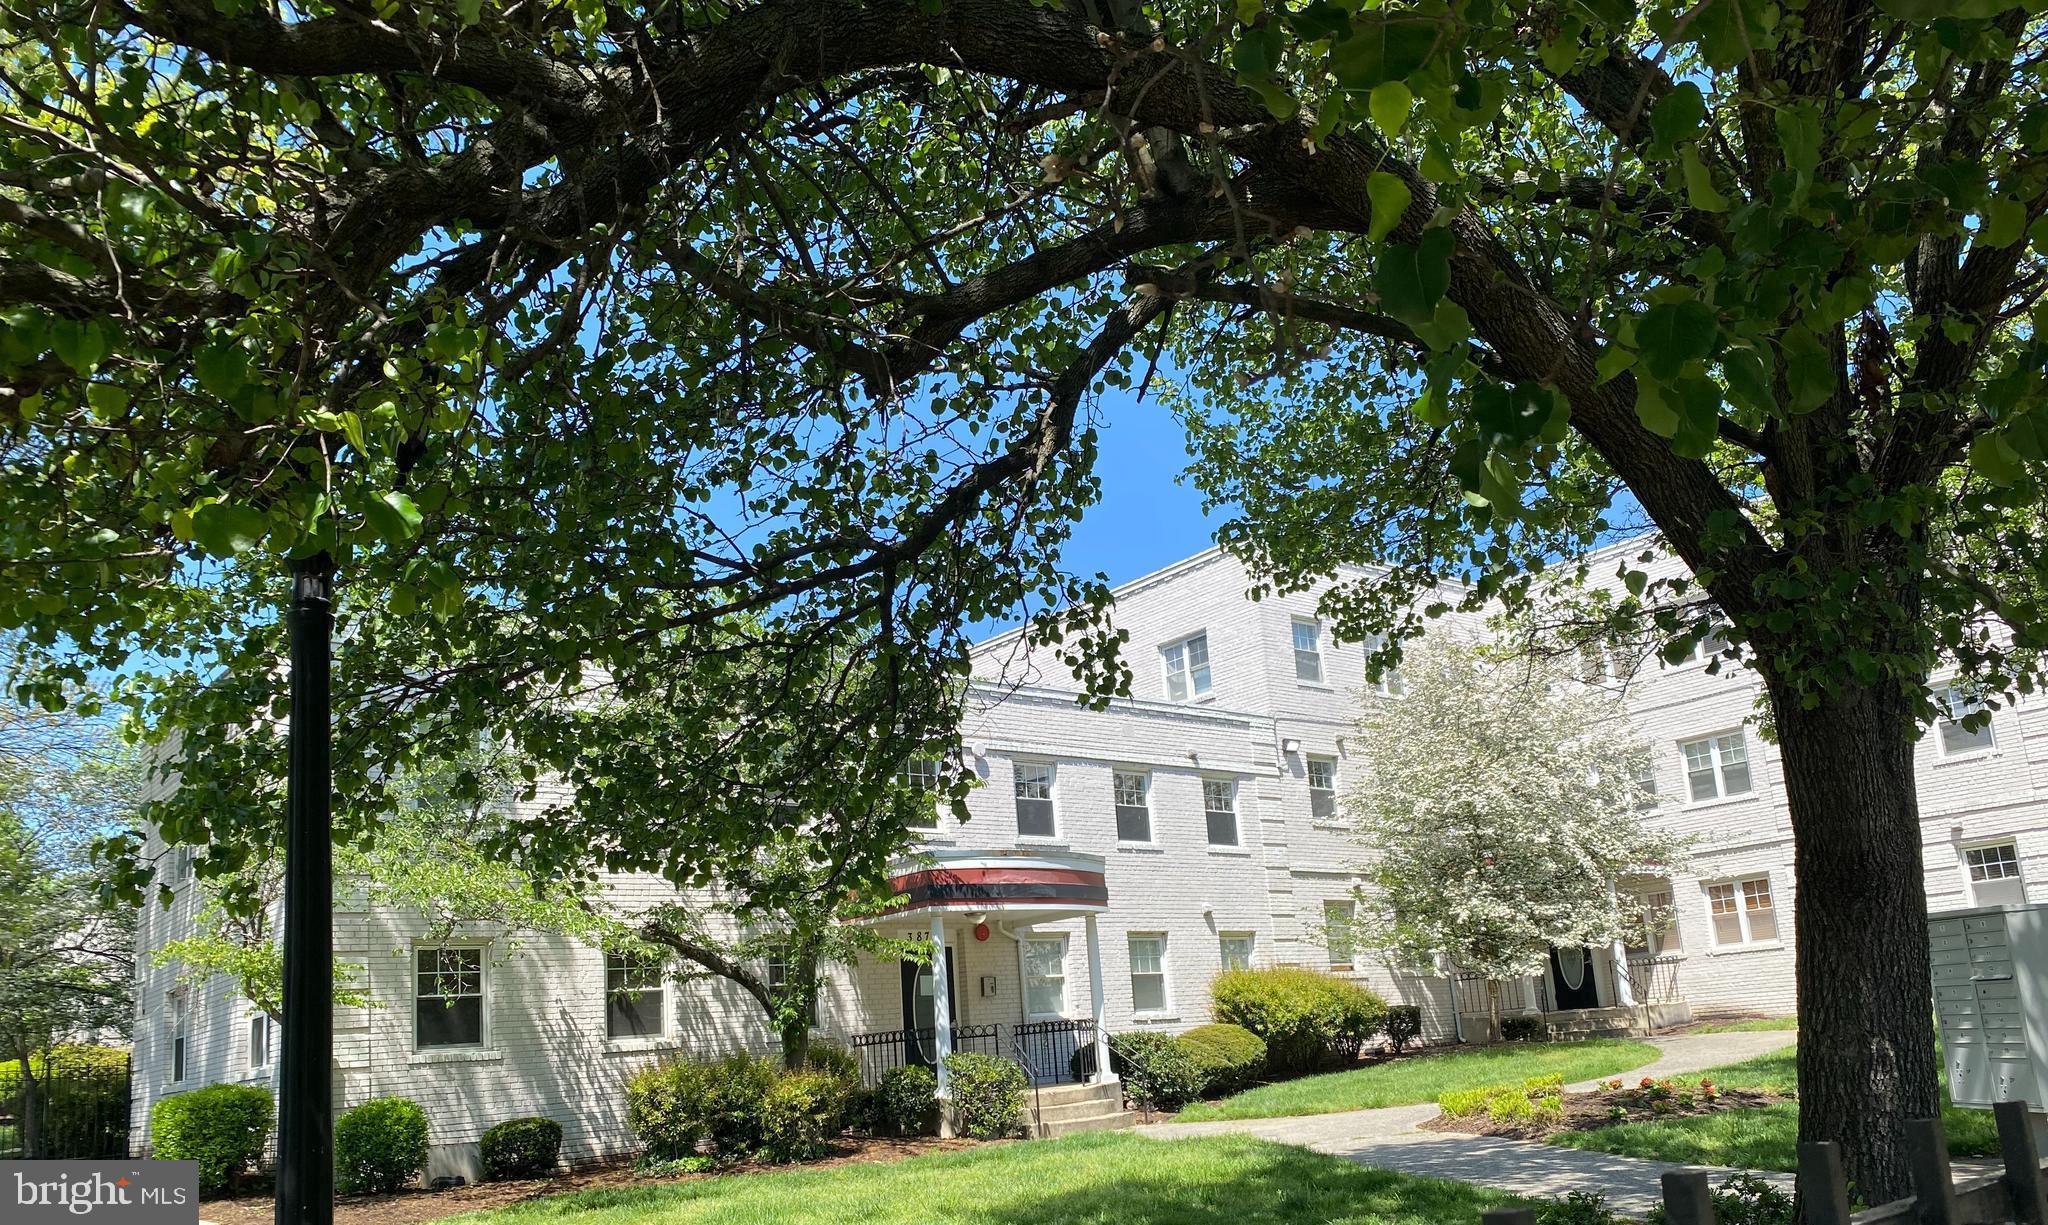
x=305, y=1123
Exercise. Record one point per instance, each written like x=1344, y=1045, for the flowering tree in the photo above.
x=1501, y=803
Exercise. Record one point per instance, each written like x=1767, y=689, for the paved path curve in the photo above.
x=1389, y=1139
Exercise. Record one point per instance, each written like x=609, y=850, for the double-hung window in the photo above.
x=1308, y=651
x=1187, y=667
x=1235, y=949
x=259, y=1039
x=1322, y=788
x=1963, y=704
x=1716, y=766
x=1742, y=911
x=1148, y=971
x=448, y=997
x=921, y=774
x=1338, y=920
x=1995, y=874
x=1653, y=927
x=178, y=1004
x=1133, y=805
x=1045, y=976
x=634, y=991
x=1219, y=806
x=1034, y=799
x=1391, y=684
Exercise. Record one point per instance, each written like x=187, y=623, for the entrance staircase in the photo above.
x=1582, y=1023
x=1062, y=1110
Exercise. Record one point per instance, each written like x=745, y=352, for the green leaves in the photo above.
x=224, y=529
x=1383, y=47
x=1678, y=115
x=1390, y=199
x=1411, y=278
x=81, y=345
x=1390, y=104
x=1671, y=334
x=1699, y=183
x=222, y=368
x=394, y=516
x=2005, y=219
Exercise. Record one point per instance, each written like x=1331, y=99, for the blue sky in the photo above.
x=1147, y=517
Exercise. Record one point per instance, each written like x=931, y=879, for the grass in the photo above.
x=1746, y=1025
x=1404, y=1082
x=1082, y=1180
x=1759, y=1138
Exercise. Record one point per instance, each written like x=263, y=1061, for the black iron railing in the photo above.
x=1472, y=990
x=1046, y=1049
x=895, y=1048
x=72, y=1110
x=1654, y=980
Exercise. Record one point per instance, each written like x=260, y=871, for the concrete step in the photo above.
x=1058, y=1112
x=1115, y=1120
x=1050, y=1095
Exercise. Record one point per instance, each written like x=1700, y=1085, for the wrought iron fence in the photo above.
x=1654, y=980
x=1046, y=1048
x=895, y=1048
x=1471, y=993
x=75, y=1109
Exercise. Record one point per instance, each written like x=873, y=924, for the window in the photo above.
x=921, y=774
x=777, y=967
x=1742, y=911
x=1956, y=738
x=1995, y=874
x=259, y=1039
x=1034, y=799
x=1187, y=668
x=1133, y=811
x=448, y=1001
x=177, y=1002
x=1391, y=684
x=1646, y=786
x=181, y=865
x=1653, y=926
x=1716, y=766
x=1308, y=652
x=1045, y=976
x=633, y=995
x=1322, y=788
x=1707, y=646
x=1219, y=805
x=1338, y=917
x=1148, y=971
x=1235, y=949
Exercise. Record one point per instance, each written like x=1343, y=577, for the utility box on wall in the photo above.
x=1990, y=970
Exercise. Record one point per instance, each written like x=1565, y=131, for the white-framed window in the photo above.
x=776, y=967
x=1340, y=915
x=1148, y=971
x=177, y=1004
x=1034, y=785
x=1133, y=800
x=1716, y=766
x=1391, y=684
x=1962, y=703
x=1322, y=788
x=1045, y=976
x=1994, y=869
x=1235, y=949
x=921, y=774
x=1219, y=808
x=635, y=994
x=1187, y=667
x=448, y=997
x=1742, y=911
x=1708, y=645
x=1308, y=650
x=1646, y=785
x=1653, y=924
x=259, y=1038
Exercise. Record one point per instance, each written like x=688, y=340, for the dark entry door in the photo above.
x=1571, y=979
x=920, y=1017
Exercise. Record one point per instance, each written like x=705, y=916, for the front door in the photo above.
x=920, y=1015
x=1571, y=979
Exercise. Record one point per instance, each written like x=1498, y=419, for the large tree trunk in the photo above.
x=1866, y=1040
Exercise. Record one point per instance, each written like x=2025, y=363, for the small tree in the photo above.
x=1502, y=802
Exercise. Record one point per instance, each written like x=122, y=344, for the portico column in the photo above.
x=942, y=1005
x=1617, y=955
x=1104, y=1074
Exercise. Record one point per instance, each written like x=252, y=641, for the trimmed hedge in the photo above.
x=1523, y=1029
x=1160, y=1072
x=744, y=1107
x=380, y=1145
x=222, y=1127
x=987, y=1095
x=661, y=1109
x=905, y=1102
x=1307, y=1018
x=799, y=1113
x=1232, y=1057
x=1404, y=1025
x=521, y=1148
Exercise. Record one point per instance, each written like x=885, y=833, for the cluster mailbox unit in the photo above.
x=1990, y=970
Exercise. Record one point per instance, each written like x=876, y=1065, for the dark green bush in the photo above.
x=1744, y=1199
x=521, y=1148
x=1523, y=1029
x=1306, y=1017
x=987, y=1094
x=1578, y=1208
x=222, y=1127
x=1160, y=1072
x=1231, y=1056
x=1404, y=1025
x=83, y=1095
x=744, y=1107
x=834, y=1060
x=734, y=1090
x=662, y=1109
x=800, y=1113
x=380, y=1145
x=904, y=1103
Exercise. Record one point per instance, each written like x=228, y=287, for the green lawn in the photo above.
x=1747, y=1025
x=1083, y=1180
x=1763, y=1138
x=1420, y=1079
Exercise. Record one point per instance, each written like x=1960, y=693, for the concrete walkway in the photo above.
x=1389, y=1138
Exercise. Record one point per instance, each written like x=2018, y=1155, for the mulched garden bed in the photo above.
x=1634, y=1102
x=414, y=1207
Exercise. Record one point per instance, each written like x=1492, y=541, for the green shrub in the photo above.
x=1578, y=1208
x=1510, y=1107
x=1744, y=1199
x=222, y=1127
x=1457, y=1103
x=743, y=1106
x=1523, y=1029
x=1404, y=1026
x=833, y=1060
x=1537, y=1086
x=734, y=1090
x=380, y=1145
x=1160, y=1072
x=83, y=1092
x=662, y=1109
x=987, y=1094
x=904, y=1103
x=670, y=1167
x=521, y=1148
x=1232, y=1057
x=1306, y=1017
x=800, y=1112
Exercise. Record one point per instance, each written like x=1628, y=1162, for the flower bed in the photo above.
x=1532, y=1111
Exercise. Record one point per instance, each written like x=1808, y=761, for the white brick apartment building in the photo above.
x=1190, y=827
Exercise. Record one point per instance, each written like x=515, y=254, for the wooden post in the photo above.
x=2022, y=1162
x=1508, y=1216
x=1822, y=1185
x=1687, y=1199
x=1934, y=1190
